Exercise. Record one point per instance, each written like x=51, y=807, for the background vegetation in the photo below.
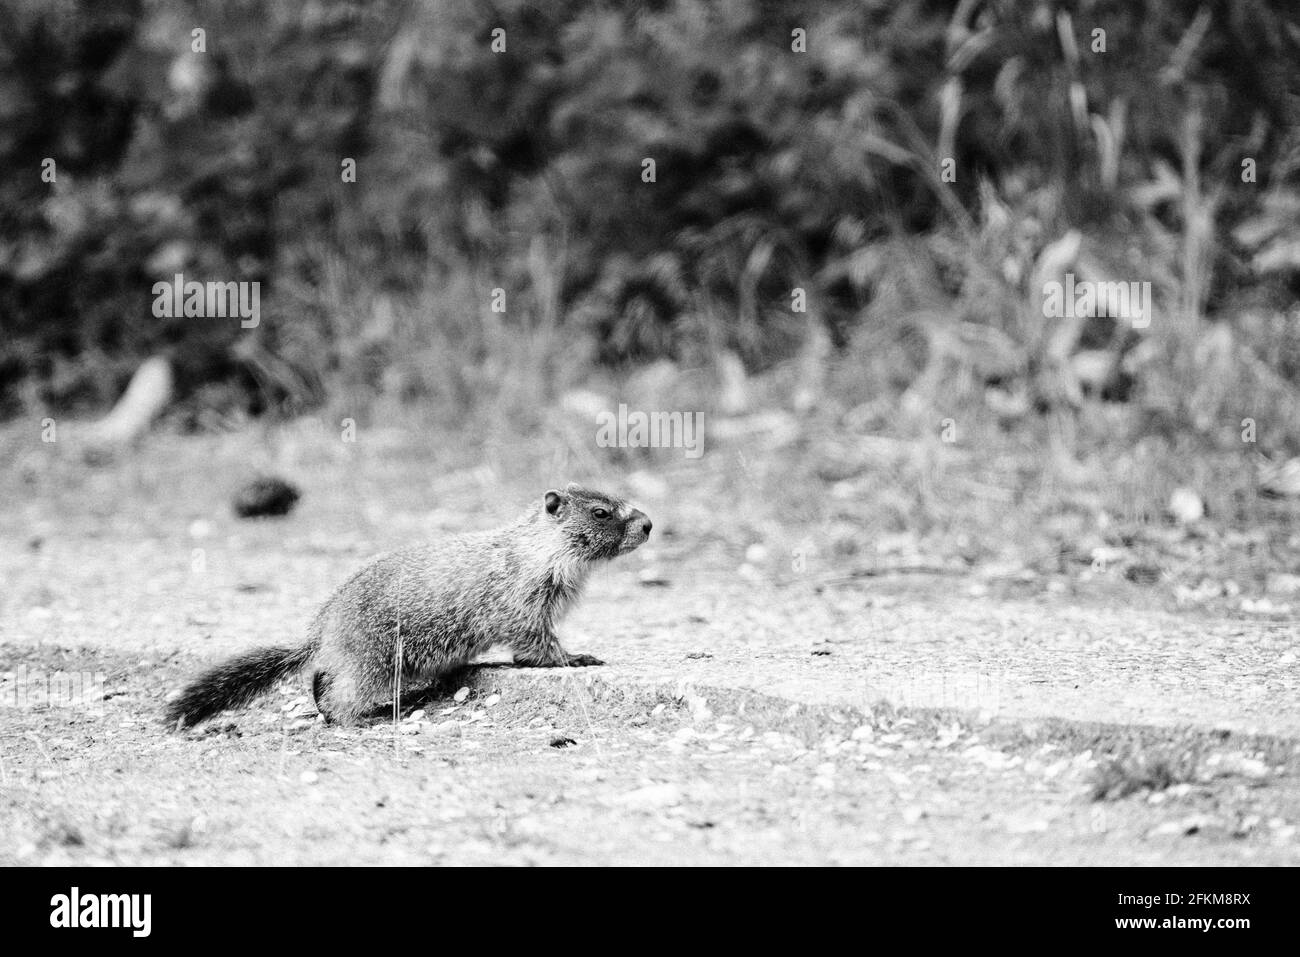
x=520, y=170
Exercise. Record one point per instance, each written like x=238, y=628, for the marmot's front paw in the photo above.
x=581, y=661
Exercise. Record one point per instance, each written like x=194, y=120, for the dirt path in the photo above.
x=551, y=767
x=906, y=641
x=738, y=720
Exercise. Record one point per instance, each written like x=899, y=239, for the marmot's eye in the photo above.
x=600, y=512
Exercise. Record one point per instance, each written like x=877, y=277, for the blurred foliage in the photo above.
x=521, y=170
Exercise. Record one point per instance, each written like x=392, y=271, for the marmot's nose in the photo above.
x=641, y=518
x=646, y=525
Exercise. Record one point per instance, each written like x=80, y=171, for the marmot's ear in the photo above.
x=553, y=501
x=572, y=487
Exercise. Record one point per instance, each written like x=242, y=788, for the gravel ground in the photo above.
x=568, y=768
x=747, y=714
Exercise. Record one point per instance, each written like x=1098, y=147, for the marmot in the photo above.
x=445, y=602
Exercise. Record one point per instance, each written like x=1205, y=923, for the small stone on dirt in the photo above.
x=652, y=577
x=1186, y=506
x=1283, y=583
x=1262, y=606
x=266, y=496
x=1142, y=574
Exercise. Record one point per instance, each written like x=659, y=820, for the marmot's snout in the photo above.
x=636, y=529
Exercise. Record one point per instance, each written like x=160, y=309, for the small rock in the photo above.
x=266, y=496
x=1053, y=770
x=1142, y=574
x=308, y=777
x=652, y=577
x=1185, y=827
x=1186, y=506
x=1243, y=765
x=584, y=403
x=1207, y=590
x=491, y=700
x=1280, y=479
x=1283, y=583
x=699, y=708
x=461, y=695
x=1262, y=606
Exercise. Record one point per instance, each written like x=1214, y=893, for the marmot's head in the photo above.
x=598, y=525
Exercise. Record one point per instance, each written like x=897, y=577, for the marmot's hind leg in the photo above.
x=343, y=698
x=337, y=697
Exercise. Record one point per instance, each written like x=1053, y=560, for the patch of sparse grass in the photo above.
x=1149, y=767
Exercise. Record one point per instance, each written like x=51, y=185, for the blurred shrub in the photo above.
x=522, y=170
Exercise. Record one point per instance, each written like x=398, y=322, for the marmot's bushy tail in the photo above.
x=235, y=682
